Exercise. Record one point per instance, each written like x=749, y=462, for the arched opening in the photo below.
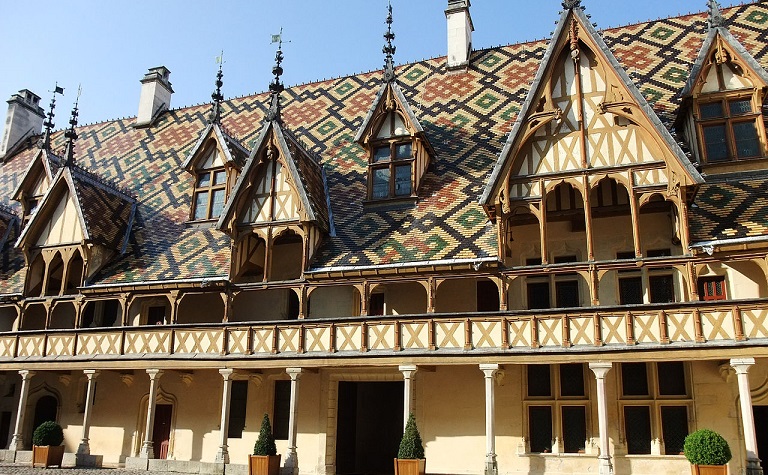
x=34, y=317
x=467, y=295
x=334, y=301
x=563, y=290
x=566, y=231
x=250, y=258
x=150, y=311
x=46, y=409
x=55, y=275
x=201, y=308
x=287, y=253
x=8, y=317
x=74, y=274
x=35, y=276
x=659, y=229
x=261, y=305
x=407, y=298
x=523, y=238
x=63, y=316
x=611, y=219
x=101, y=313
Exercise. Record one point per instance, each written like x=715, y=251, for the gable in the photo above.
x=273, y=196
x=63, y=226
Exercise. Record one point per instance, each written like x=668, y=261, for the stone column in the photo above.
x=409, y=372
x=17, y=442
x=85, y=448
x=741, y=365
x=222, y=456
x=490, y=370
x=147, y=448
x=291, y=459
x=604, y=459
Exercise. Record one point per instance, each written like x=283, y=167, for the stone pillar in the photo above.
x=222, y=456
x=604, y=459
x=409, y=372
x=741, y=365
x=147, y=448
x=490, y=370
x=17, y=442
x=291, y=459
x=84, y=448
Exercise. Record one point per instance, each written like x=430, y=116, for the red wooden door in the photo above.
x=161, y=434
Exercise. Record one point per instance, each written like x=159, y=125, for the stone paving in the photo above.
x=26, y=469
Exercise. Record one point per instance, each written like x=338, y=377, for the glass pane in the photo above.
x=538, y=295
x=381, y=153
x=740, y=107
x=380, y=183
x=671, y=378
x=572, y=379
x=204, y=179
x=201, y=205
x=567, y=293
x=747, y=143
x=219, y=177
x=631, y=290
x=403, y=180
x=714, y=142
x=574, y=429
x=662, y=288
x=634, y=379
x=540, y=428
x=218, y=203
x=538, y=380
x=674, y=426
x=282, y=410
x=403, y=150
x=637, y=424
x=711, y=110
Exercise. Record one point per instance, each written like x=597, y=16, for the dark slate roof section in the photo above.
x=308, y=175
x=12, y=269
x=733, y=43
x=8, y=220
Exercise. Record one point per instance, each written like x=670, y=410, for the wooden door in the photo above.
x=161, y=434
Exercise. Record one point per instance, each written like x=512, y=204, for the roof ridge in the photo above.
x=104, y=183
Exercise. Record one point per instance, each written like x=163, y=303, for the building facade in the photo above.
x=554, y=254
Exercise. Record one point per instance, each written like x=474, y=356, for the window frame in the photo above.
x=727, y=121
x=391, y=141
x=210, y=189
x=703, y=287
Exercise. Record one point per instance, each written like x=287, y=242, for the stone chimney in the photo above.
x=155, y=95
x=459, y=34
x=24, y=119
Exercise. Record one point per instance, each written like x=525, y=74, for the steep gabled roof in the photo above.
x=8, y=221
x=506, y=157
x=44, y=162
x=234, y=151
x=403, y=106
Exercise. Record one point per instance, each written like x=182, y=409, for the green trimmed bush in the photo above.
x=706, y=447
x=411, y=447
x=48, y=433
x=265, y=444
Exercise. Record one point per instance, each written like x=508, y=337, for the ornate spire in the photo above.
x=389, y=49
x=276, y=87
x=45, y=141
x=215, y=116
x=715, y=19
x=71, y=135
x=571, y=4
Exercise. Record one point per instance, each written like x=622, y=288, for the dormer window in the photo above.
x=210, y=188
x=729, y=129
x=391, y=165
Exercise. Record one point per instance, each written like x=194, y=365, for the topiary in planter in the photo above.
x=265, y=444
x=706, y=447
x=411, y=447
x=48, y=433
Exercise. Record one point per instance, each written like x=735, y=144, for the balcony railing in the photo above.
x=696, y=323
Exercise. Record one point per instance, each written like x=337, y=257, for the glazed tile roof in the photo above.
x=466, y=117
x=737, y=208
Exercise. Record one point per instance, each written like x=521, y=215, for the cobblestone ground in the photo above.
x=26, y=469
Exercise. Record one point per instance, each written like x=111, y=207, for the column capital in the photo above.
x=154, y=373
x=91, y=373
x=741, y=365
x=226, y=373
x=489, y=369
x=600, y=368
x=294, y=373
x=26, y=374
x=408, y=370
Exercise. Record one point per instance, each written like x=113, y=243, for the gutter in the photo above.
x=709, y=246
x=400, y=265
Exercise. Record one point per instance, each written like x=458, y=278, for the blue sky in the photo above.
x=107, y=46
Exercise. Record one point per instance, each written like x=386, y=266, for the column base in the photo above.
x=753, y=467
x=491, y=468
x=604, y=466
x=16, y=443
x=222, y=456
x=147, y=450
x=291, y=466
x=84, y=448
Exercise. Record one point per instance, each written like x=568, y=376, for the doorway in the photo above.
x=369, y=427
x=761, y=431
x=161, y=434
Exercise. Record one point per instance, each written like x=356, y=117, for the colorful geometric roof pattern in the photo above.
x=466, y=116
x=11, y=259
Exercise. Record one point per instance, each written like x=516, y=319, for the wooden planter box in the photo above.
x=47, y=455
x=709, y=469
x=410, y=467
x=264, y=464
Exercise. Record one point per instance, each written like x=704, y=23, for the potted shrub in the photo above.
x=46, y=444
x=708, y=452
x=410, y=456
x=264, y=460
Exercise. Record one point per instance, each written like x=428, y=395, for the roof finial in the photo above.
x=215, y=116
x=276, y=87
x=571, y=4
x=389, y=48
x=715, y=19
x=45, y=141
x=70, y=134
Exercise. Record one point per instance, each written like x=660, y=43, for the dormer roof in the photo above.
x=45, y=164
x=234, y=153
